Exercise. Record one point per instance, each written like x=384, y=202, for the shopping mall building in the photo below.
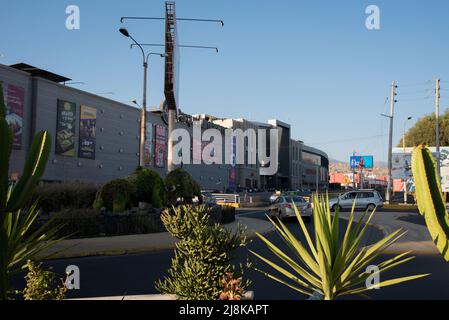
x=97, y=139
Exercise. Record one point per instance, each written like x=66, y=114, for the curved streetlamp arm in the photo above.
x=141, y=49
x=181, y=46
x=177, y=19
x=154, y=53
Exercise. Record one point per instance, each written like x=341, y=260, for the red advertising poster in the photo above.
x=398, y=185
x=15, y=97
x=160, y=146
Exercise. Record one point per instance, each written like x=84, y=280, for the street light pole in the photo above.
x=390, y=143
x=143, y=114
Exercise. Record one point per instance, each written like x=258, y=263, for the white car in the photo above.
x=282, y=208
x=365, y=200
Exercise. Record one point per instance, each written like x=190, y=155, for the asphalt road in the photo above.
x=135, y=274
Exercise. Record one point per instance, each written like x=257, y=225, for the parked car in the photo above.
x=365, y=200
x=274, y=196
x=282, y=208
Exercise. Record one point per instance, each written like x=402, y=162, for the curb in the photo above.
x=424, y=247
x=248, y=296
x=59, y=254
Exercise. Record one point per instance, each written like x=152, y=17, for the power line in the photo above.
x=400, y=93
x=415, y=84
x=350, y=139
x=414, y=99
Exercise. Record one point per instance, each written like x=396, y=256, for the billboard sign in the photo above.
x=233, y=160
x=88, y=122
x=402, y=164
x=366, y=162
x=14, y=101
x=160, y=146
x=65, y=129
x=148, y=144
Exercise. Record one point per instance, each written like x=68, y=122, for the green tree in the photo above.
x=423, y=132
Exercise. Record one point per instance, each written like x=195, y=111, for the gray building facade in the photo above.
x=33, y=97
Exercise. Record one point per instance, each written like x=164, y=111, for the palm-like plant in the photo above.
x=17, y=242
x=332, y=268
x=431, y=202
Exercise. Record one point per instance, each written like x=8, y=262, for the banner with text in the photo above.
x=88, y=122
x=14, y=101
x=160, y=146
x=65, y=129
x=148, y=144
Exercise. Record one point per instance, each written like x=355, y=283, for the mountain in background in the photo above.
x=380, y=167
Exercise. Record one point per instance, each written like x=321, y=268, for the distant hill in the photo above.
x=335, y=161
x=380, y=167
x=381, y=164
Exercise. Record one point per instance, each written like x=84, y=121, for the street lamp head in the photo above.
x=124, y=31
x=409, y=118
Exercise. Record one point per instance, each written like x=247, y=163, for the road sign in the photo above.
x=357, y=162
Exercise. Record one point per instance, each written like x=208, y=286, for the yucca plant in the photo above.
x=17, y=242
x=430, y=198
x=331, y=268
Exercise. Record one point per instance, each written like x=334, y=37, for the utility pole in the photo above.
x=390, y=143
x=437, y=125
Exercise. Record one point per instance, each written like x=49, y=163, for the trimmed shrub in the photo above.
x=227, y=214
x=115, y=196
x=42, y=284
x=221, y=214
x=180, y=185
x=203, y=254
x=148, y=187
x=90, y=223
x=55, y=197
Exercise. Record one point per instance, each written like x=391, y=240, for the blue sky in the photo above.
x=312, y=64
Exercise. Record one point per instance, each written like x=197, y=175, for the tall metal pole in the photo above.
x=437, y=125
x=390, y=144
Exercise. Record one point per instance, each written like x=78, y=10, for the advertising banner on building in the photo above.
x=65, y=129
x=160, y=146
x=88, y=122
x=402, y=165
x=233, y=160
x=14, y=101
x=148, y=144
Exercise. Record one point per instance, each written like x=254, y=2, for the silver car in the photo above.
x=274, y=196
x=365, y=200
x=282, y=208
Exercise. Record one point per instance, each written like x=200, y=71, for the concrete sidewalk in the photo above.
x=75, y=248
x=417, y=238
